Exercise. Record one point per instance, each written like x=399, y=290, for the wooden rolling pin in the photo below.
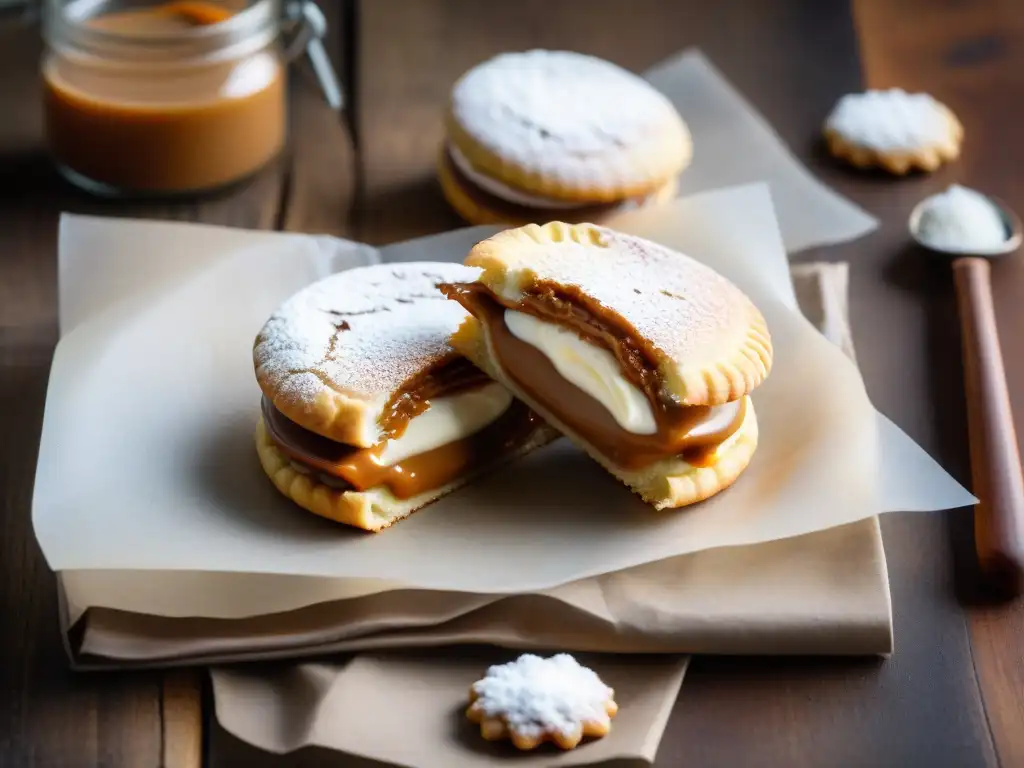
x=995, y=457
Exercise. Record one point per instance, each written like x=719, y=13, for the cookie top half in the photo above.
x=334, y=354
x=710, y=343
x=567, y=126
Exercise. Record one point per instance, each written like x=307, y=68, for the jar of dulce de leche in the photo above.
x=163, y=97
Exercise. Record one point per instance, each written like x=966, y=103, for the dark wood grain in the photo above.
x=970, y=55
x=49, y=716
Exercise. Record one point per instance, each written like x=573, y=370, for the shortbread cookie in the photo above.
x=642, y=356
x=533, y=700
x=894, y=130
x=368, y=412
x=472, y=201
x=555, y=131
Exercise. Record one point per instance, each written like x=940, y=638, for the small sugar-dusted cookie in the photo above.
x=894, y=130
x=537, y=132
x=640, y=355
x=532, y=700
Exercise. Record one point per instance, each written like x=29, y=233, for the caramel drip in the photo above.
x=568, y=306
x=447, y=378
x=538, y=378
x=361, y=469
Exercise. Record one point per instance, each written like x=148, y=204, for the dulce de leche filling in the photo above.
x=361, y=469
x=182, y=124
x=533, y=372
x=448, y=378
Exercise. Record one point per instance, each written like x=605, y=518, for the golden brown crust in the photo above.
x=330, y=413
x=475, y=208
x=498, y=728
x=371, y=510
x=663, y=162
x=332, y=356
x=667, y=484
x=726, y=350
x=898, y=162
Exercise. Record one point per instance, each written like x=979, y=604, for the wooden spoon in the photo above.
x=995, y=457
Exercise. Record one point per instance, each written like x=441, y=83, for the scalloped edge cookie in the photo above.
x=896, y=159
x=496, y=726
x=667, y=484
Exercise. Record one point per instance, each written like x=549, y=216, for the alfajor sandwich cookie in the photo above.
x=368, y=413
x=541, y=134
x=641, y=355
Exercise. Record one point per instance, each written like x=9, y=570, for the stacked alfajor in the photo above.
x=543, y=135
x=368, y=413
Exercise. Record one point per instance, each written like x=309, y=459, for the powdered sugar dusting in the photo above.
x=535, y=695
x=362, y=332
x=686, y=310
x=892, y=120
x=565, y=115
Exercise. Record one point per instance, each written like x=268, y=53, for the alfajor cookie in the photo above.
x=543, y=134
x=642, y=356
x=893, y=130
x=368, y=413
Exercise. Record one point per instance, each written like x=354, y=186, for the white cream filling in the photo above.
x=720, y=418
x=731, y=440
x=447, y=420
x=592, y=369
x=598, y=373
x=499, y=189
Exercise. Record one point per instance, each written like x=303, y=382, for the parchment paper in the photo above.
x=823, y=593
x=146, y=461
x=734, y=145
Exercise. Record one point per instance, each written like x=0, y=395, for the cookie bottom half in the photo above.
x=478, y=206
x=375, y=508
x=925, y=159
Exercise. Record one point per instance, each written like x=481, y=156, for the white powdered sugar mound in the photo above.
x=535, y=695
x=961, y=219
x=564, y=115
x=362, y=332
x=892, y=120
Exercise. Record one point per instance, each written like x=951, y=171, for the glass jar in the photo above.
x=163, y=97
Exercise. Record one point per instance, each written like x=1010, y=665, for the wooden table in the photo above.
x=953, y=693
